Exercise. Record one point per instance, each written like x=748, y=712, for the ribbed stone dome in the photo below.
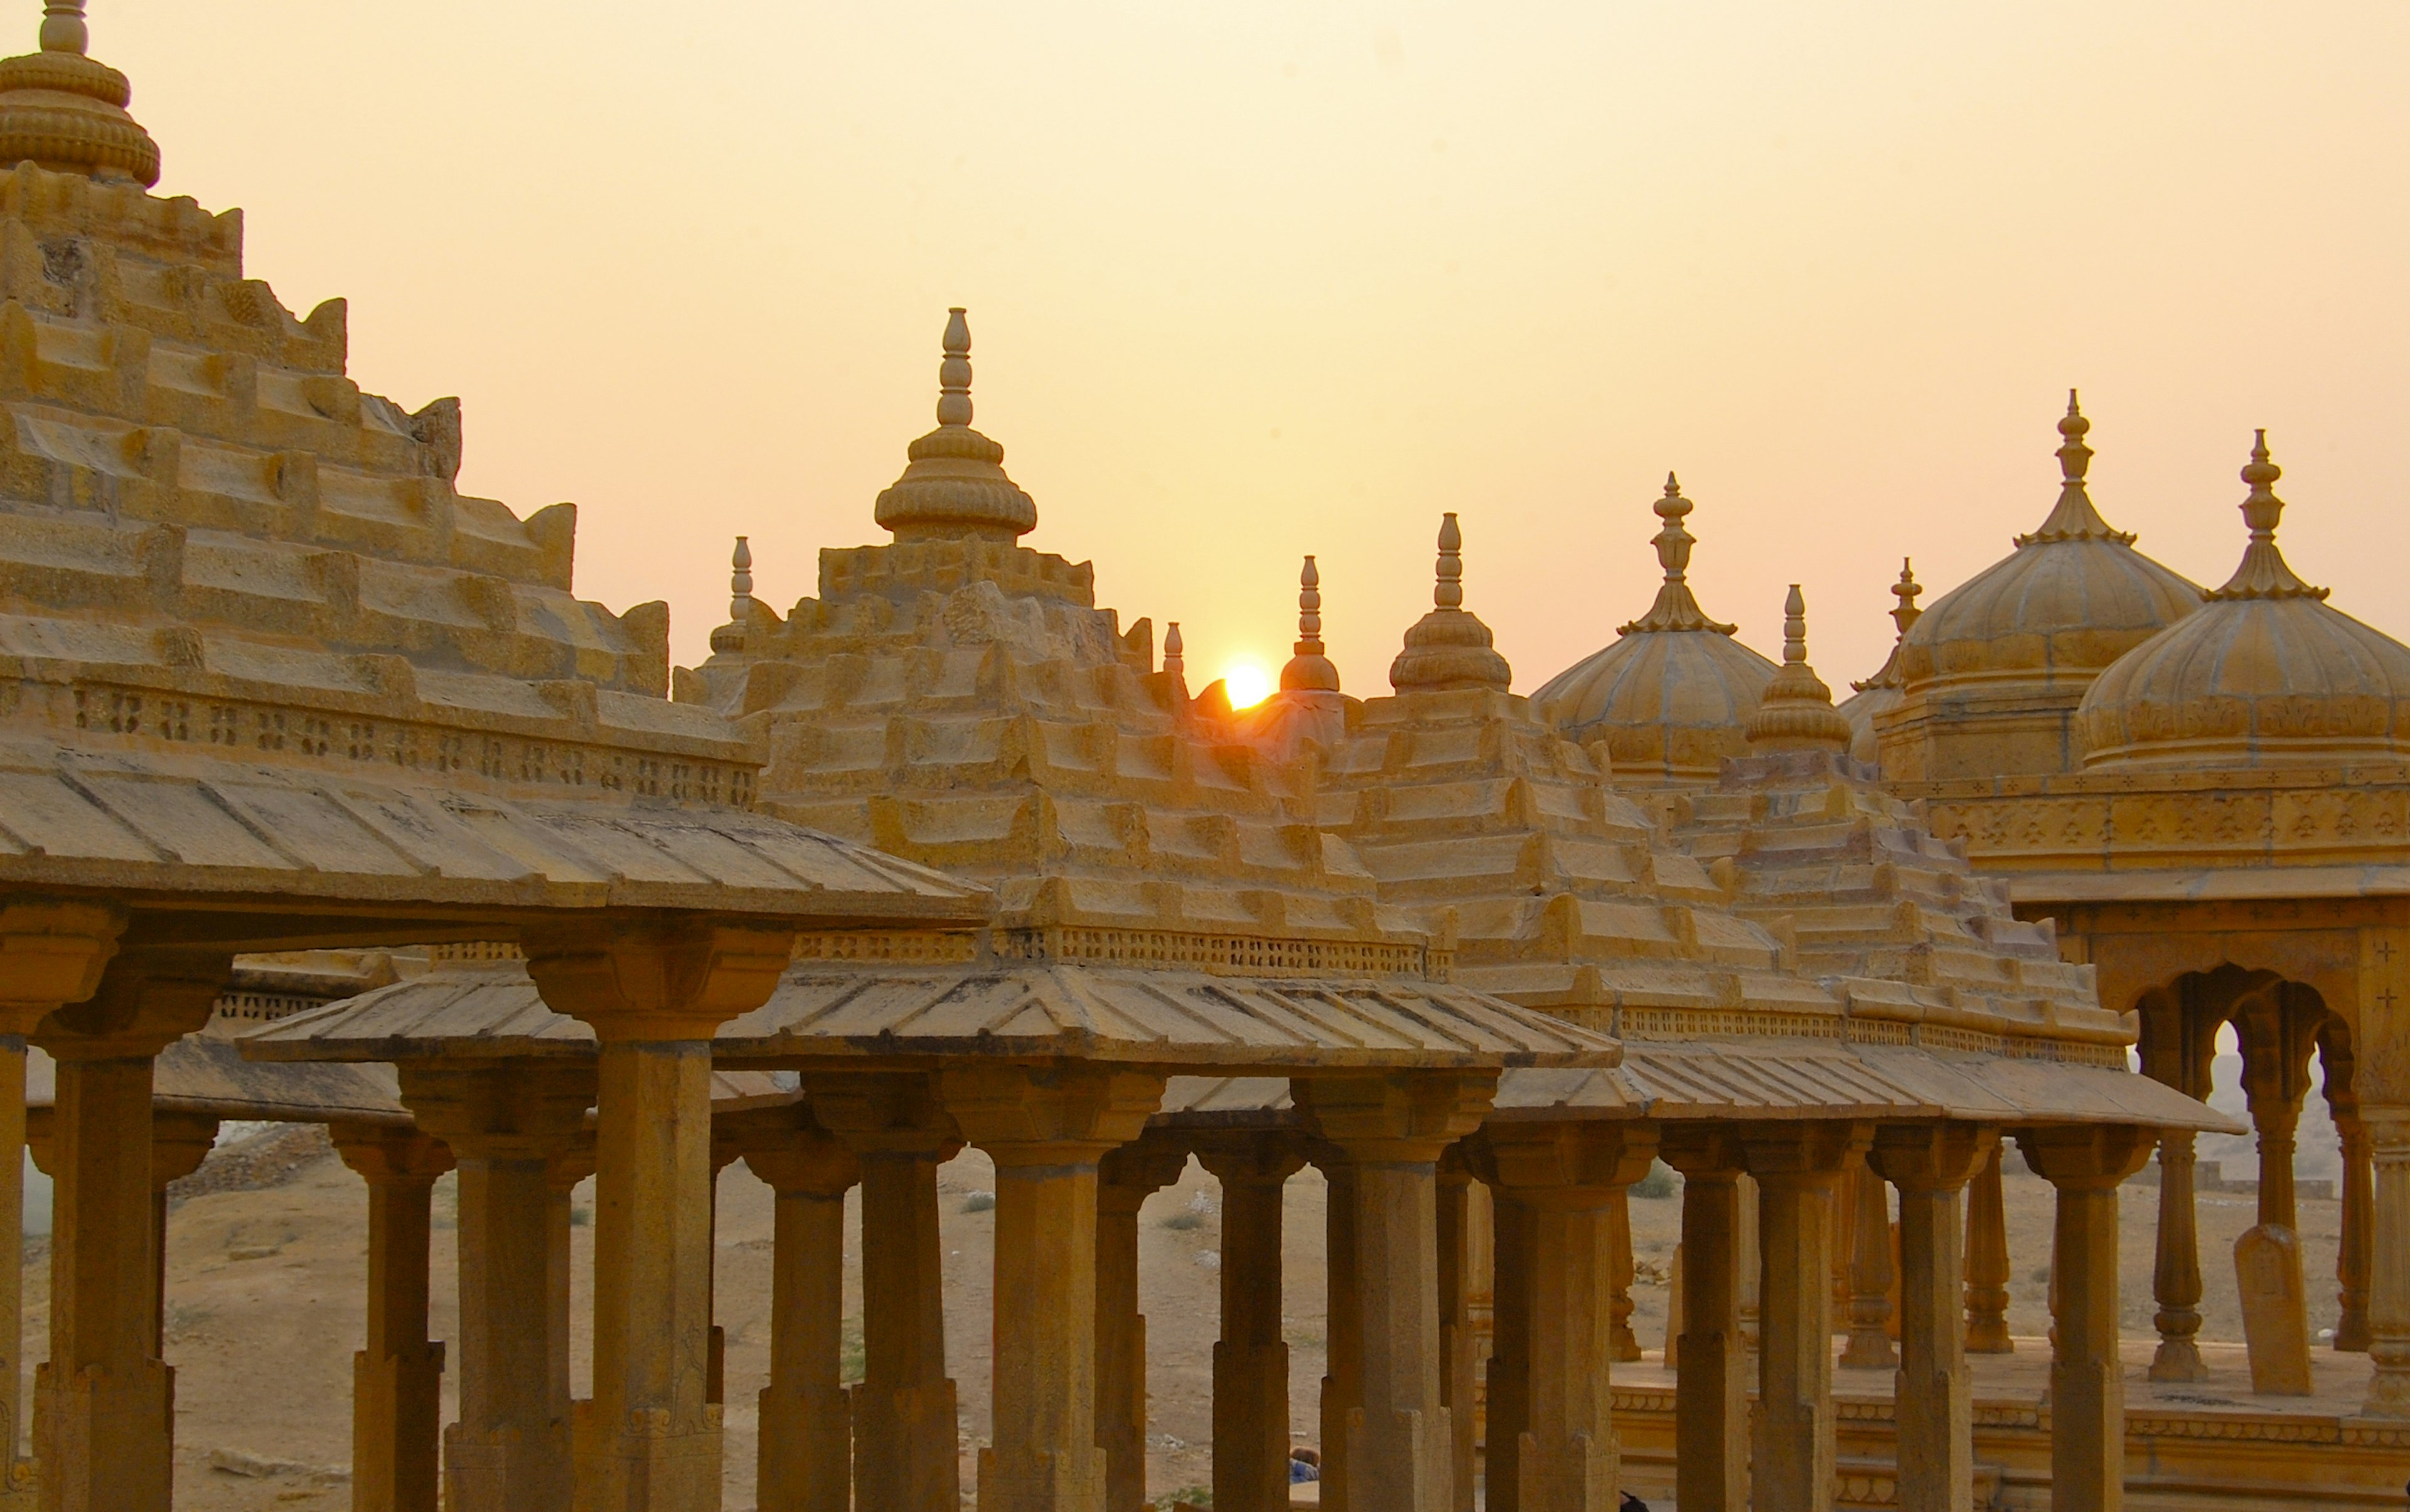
x=2266, y=674
x=1672, y=696
x=2072, y=597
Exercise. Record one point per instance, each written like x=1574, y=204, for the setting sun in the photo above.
x=1248, y=684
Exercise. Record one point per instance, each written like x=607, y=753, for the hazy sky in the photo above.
x=1248, y=279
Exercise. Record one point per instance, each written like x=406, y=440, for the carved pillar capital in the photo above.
x=506, y=1110
x=1802, y=1155
x=1580, y=1163
x=1405, y=1117
x=1931, y=1158
x=52, y=954
x=657, y=979
x=2087, y=1156
x=1026, y=1115
x=885, y=1113
x=390, y=1154
x=148, y=999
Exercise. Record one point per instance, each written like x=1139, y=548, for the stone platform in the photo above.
x=2201, y=1446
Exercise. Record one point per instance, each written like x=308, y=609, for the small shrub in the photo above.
x=978, y=1202
x=1659, y=1183
x=1182, y=1222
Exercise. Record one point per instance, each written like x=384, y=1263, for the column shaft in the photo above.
x=16, y=1475
x=1933, y=1402
x=2175, y=1272
x=1344, y=1359
x=1455, y=1341
x=1399, y=1442
x=1622, y=1345
x=805, y=1461
x=1870, y=1275
x=1251, y=1357
x=2087, y=1385
x=2389, y=1276
x=107, y=1399
x=653, y=1444
x=509, y=1449
x=1124, y=1179
x=904, y=1455
x=1510, y=1350
x=398, y=1377
x=1711, y=1376
x=1987, y=1262
x=2352, y=1255
x=1793, y=1458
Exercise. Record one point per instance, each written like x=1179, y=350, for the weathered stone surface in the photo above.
x=2275, y=1317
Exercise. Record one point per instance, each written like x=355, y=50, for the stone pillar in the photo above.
x=1046, y=1131
x=568, y=1166
x=504, y=1122
x=1798, y=1169
x=1752, y=1263
x=1344, y=1348
x=653, y=992
x=1126, y=1178
x=2389, y=1276
x=1457, y=1343
x=2352, y=1256
x=1394, y=1127
x=806, y=1430
x=2087, y=1385
x=1560, y=1272
x=105, y=1419
x=2176, y=1276
x=905, y=1458
x=1251, y=1359
x=52, y=954
x=1987, y=1261
x=180, y=1141
x=398, y=1379
x=1870, y=1275
x=1621, y=1343
x=1932, y=1394
x=1510, y=1350
x=1711, y=1376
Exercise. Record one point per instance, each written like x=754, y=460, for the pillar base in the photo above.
x=501, y=1469
x=1015, y=1479
x=646, y=1467
x=1255, y=1441
x=397, y=1401
x=2178, y=1359
x=808, y=1470
x=1416, y=1482
x=907, y=1448
x=1574, y=1473
x=104, y=1448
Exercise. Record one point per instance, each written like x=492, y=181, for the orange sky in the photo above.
x=1250, y=278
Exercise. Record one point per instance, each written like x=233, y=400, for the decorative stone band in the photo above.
x=1171, y=949
x=1684, y=1024
x=336, y=739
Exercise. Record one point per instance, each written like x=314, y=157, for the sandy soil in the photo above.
x=266, y=1304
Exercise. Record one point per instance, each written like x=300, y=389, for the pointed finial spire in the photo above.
x=740, y=580
x=955, y=483
x=1310, y=670
x=1448, y=591
x=954, y=371
x=63, y=27
x=1796, y=712
x=1905, y=591
x=2073, y=518
x=1174, y=661
x=1448, y=648
x=2263, y=573
x=1674, y=608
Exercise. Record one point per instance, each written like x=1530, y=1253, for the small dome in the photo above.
x=66, y=113
x=2071, y=598
x=2266, y=674
x=1672, y=696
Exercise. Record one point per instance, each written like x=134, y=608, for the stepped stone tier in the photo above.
x=1671, y=696
x=1991, y=675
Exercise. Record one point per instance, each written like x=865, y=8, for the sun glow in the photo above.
x=1248, y=684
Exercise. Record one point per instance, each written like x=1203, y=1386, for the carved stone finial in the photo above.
x=2263, y=573
x=1905, y=591
x=63, y=27
x=1310, y=670
x=66, y=113
x=740, y=580
x=1674, y=608
x=1174, y=661
x=2073, y=518
x=1796, y=712
x=955, y=484
x=1448, y=648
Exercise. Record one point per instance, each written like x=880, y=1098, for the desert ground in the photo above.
x=266, y=1278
